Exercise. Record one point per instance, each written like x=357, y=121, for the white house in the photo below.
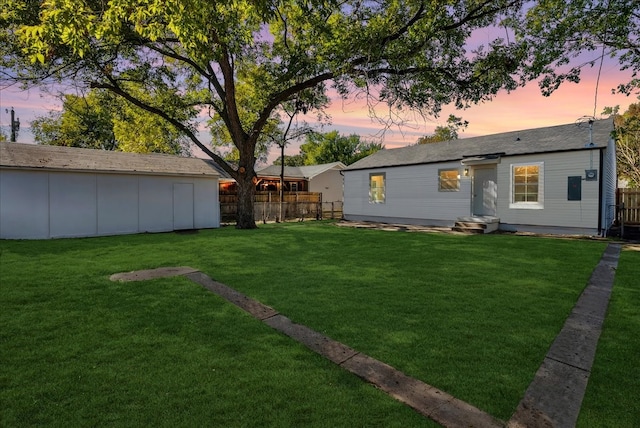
x=324, y=178
x=54, y=192
x=558, y=179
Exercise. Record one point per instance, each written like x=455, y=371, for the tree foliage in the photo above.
x=627, y=133
x=593, y=30
x=321, y=148
x=445, y=133
x=291, y=160
x=243, y=59
x=101, y=120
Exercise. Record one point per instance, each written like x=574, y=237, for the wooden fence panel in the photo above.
x=628, y=204
x=332, y=210
x=296, y=205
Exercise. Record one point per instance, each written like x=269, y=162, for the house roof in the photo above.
x=43, y=157
x=539, y=140
x=304, y=172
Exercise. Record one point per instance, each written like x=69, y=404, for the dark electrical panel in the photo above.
x=574, y=192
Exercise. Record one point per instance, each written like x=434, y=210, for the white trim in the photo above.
x=372, y=199
x=539, y=205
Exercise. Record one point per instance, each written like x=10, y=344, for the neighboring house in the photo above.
x=53, y=192
x=325, y=179
x=559, y=179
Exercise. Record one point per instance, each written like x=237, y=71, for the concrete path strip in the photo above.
x=555, y=395
x=143, y=275
x=425, y=399
x=553, y=398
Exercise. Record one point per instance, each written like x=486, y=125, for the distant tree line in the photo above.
x=320, y=148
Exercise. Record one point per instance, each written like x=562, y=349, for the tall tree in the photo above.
x=627, y=133
x=445, y=133
x=321, y=148
x=594, y=29
x=405, y=53
x=100, y=120
x=83, y=122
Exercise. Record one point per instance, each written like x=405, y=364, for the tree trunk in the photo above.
x=246, y=196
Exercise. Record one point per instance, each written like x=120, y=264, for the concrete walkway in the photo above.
x=554, y=397
x=552, y=400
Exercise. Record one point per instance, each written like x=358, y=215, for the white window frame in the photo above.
x=373, y=200
x=539, y=204
x=457, y=188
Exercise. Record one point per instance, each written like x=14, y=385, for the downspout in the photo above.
x=600, y=194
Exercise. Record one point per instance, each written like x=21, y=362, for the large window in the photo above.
x=376, y=188
x=448, y=180
x=527, y=185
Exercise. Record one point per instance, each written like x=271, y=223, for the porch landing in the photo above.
x=476, y=224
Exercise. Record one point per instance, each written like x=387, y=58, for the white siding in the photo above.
x=72, y=204
x=117, y=204
x=329, y=183
x=182, y=206
x=557, y=211
x=24, y=204
x=156, y=204
x=411, y=193
x=206, y=203
x=39, y=205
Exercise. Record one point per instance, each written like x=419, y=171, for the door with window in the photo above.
x=485, y=191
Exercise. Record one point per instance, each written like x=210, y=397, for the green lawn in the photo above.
x=472, y=315
x=614, y=386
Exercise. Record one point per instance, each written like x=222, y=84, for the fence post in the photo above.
x=622, y=219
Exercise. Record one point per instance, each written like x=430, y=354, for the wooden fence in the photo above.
x=296, y=205
x=332, y=210
x=628, y=206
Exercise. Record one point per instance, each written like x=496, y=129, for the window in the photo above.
x=527, y=183
x=448, y=180
x=294, y=187
x=376, y=188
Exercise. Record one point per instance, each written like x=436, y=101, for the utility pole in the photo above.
x=15, y=126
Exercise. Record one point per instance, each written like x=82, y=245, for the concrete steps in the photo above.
x=476, y=224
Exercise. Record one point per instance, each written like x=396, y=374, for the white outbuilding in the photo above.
x=56, y=192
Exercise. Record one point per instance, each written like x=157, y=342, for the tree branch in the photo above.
x=116, y=89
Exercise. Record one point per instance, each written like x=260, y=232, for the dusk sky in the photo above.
x=524, y=108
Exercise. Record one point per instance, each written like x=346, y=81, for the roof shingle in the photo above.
x=538, y=140
x=32, y=156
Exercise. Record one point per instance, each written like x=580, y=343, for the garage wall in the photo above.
x=39, y=205
x=24, y=205
x=72, y=202
x=117, y=204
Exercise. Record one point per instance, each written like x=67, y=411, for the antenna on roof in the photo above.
x=584, y=121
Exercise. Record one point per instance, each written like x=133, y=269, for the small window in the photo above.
x=527, y=185
x=294, y=187
x=448, y=180
x=376, y=188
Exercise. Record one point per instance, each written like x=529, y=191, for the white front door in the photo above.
x=485, y=191
x=182, y=206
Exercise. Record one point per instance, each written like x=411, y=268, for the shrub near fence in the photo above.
x=296, y=205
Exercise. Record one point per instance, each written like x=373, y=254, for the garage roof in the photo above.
x=43, y=157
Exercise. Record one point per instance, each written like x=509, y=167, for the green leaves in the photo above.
x=332, y=147
x=102, y=121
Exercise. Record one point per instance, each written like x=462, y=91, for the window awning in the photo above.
x=489, y=159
